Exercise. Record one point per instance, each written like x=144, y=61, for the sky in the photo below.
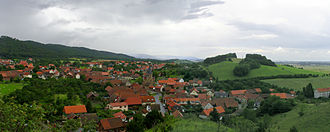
x=282, y=30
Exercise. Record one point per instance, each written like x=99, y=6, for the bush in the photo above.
x=241, y=70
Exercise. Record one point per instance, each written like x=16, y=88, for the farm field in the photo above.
x=224, y=71
x=318, y=68
x=8, y=88
x=195, y=124
x=299, y=83
x=315, y=118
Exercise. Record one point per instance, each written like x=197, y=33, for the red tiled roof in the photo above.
x=177, y=114
x=281, y=95
x=235, y=92
x=323, y=89
x=75, y=109
x=148, y=99
x=111, y=123
x=118, y=104
x=120, y=114
x=133, y=101
x=258, y=90
x=203, y=96
x=108, y=88
x=219, y=110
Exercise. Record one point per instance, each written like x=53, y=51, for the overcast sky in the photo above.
x=279, y=29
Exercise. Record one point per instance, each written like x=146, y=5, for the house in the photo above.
x=206, y=105
x=73, y=112
x=221, y=94
x=206, y=113
x=118, y=106
x=85, y=118
x=322, y=92
x=194, y=92
x=177, y=114
x=131, y=101
x=204, y=97
x=111, y=125
x=92, y=95
x=225, y=102
x=108, y=88
x=237, y=92
x=147, y=100
x=282, y=95
x=185, y=101
x=210, y=93
x=120, y=115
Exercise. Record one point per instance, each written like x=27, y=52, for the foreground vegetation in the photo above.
x=224, y=71
x=195, y=124
x=305, y=117
x=10, y=87
x=299, y=83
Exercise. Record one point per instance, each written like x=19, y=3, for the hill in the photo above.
x=220, y=58
x=14, y=48
x=224, y=71
x=315, y=119
x=299, y=83
x=195, y=124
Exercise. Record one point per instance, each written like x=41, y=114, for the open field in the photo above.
x=315, y=119
x=318, y=68
x=194, y=124
x=8, y=88
x=224, y=71
x=299, y=83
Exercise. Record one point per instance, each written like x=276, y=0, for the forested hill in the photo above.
x=14, y=48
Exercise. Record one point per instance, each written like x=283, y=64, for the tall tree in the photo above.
x=215, y=116
x=309, y=91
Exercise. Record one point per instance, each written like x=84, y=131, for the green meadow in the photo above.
x=224, y=71
x=315, y=118
x=299, y=83
x=8, y=88
x=195, y=124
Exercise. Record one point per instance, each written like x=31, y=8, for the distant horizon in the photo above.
x=240, y=56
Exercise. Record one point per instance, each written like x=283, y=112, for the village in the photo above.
x=133, y=86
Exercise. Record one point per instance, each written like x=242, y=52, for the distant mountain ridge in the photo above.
x=14, y=48
x=167, y=57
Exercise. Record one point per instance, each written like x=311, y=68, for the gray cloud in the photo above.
x=198, y=28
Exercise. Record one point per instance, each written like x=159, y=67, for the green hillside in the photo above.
x=14, y=48
x=224, y=71
x=299, y=83
x=316, y=118
x=195, y=124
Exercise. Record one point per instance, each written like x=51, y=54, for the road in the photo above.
x=162, y=109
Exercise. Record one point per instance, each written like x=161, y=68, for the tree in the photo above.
x=293, y=129
x=71, y=125
x=89, y=107
x=241, y=70
x=17, y=117
x=215, y=116
x=250, y=114
x=308, y=91
x=137, y=125
x=1, y=78
x=153, y=118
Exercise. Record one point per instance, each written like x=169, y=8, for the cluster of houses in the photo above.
x=127, y=95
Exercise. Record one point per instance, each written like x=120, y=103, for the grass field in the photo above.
x=224, y=71
x=318, y=68
x=194, y=124
x=299, y=83
x=8, y=88
x=315, y=119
